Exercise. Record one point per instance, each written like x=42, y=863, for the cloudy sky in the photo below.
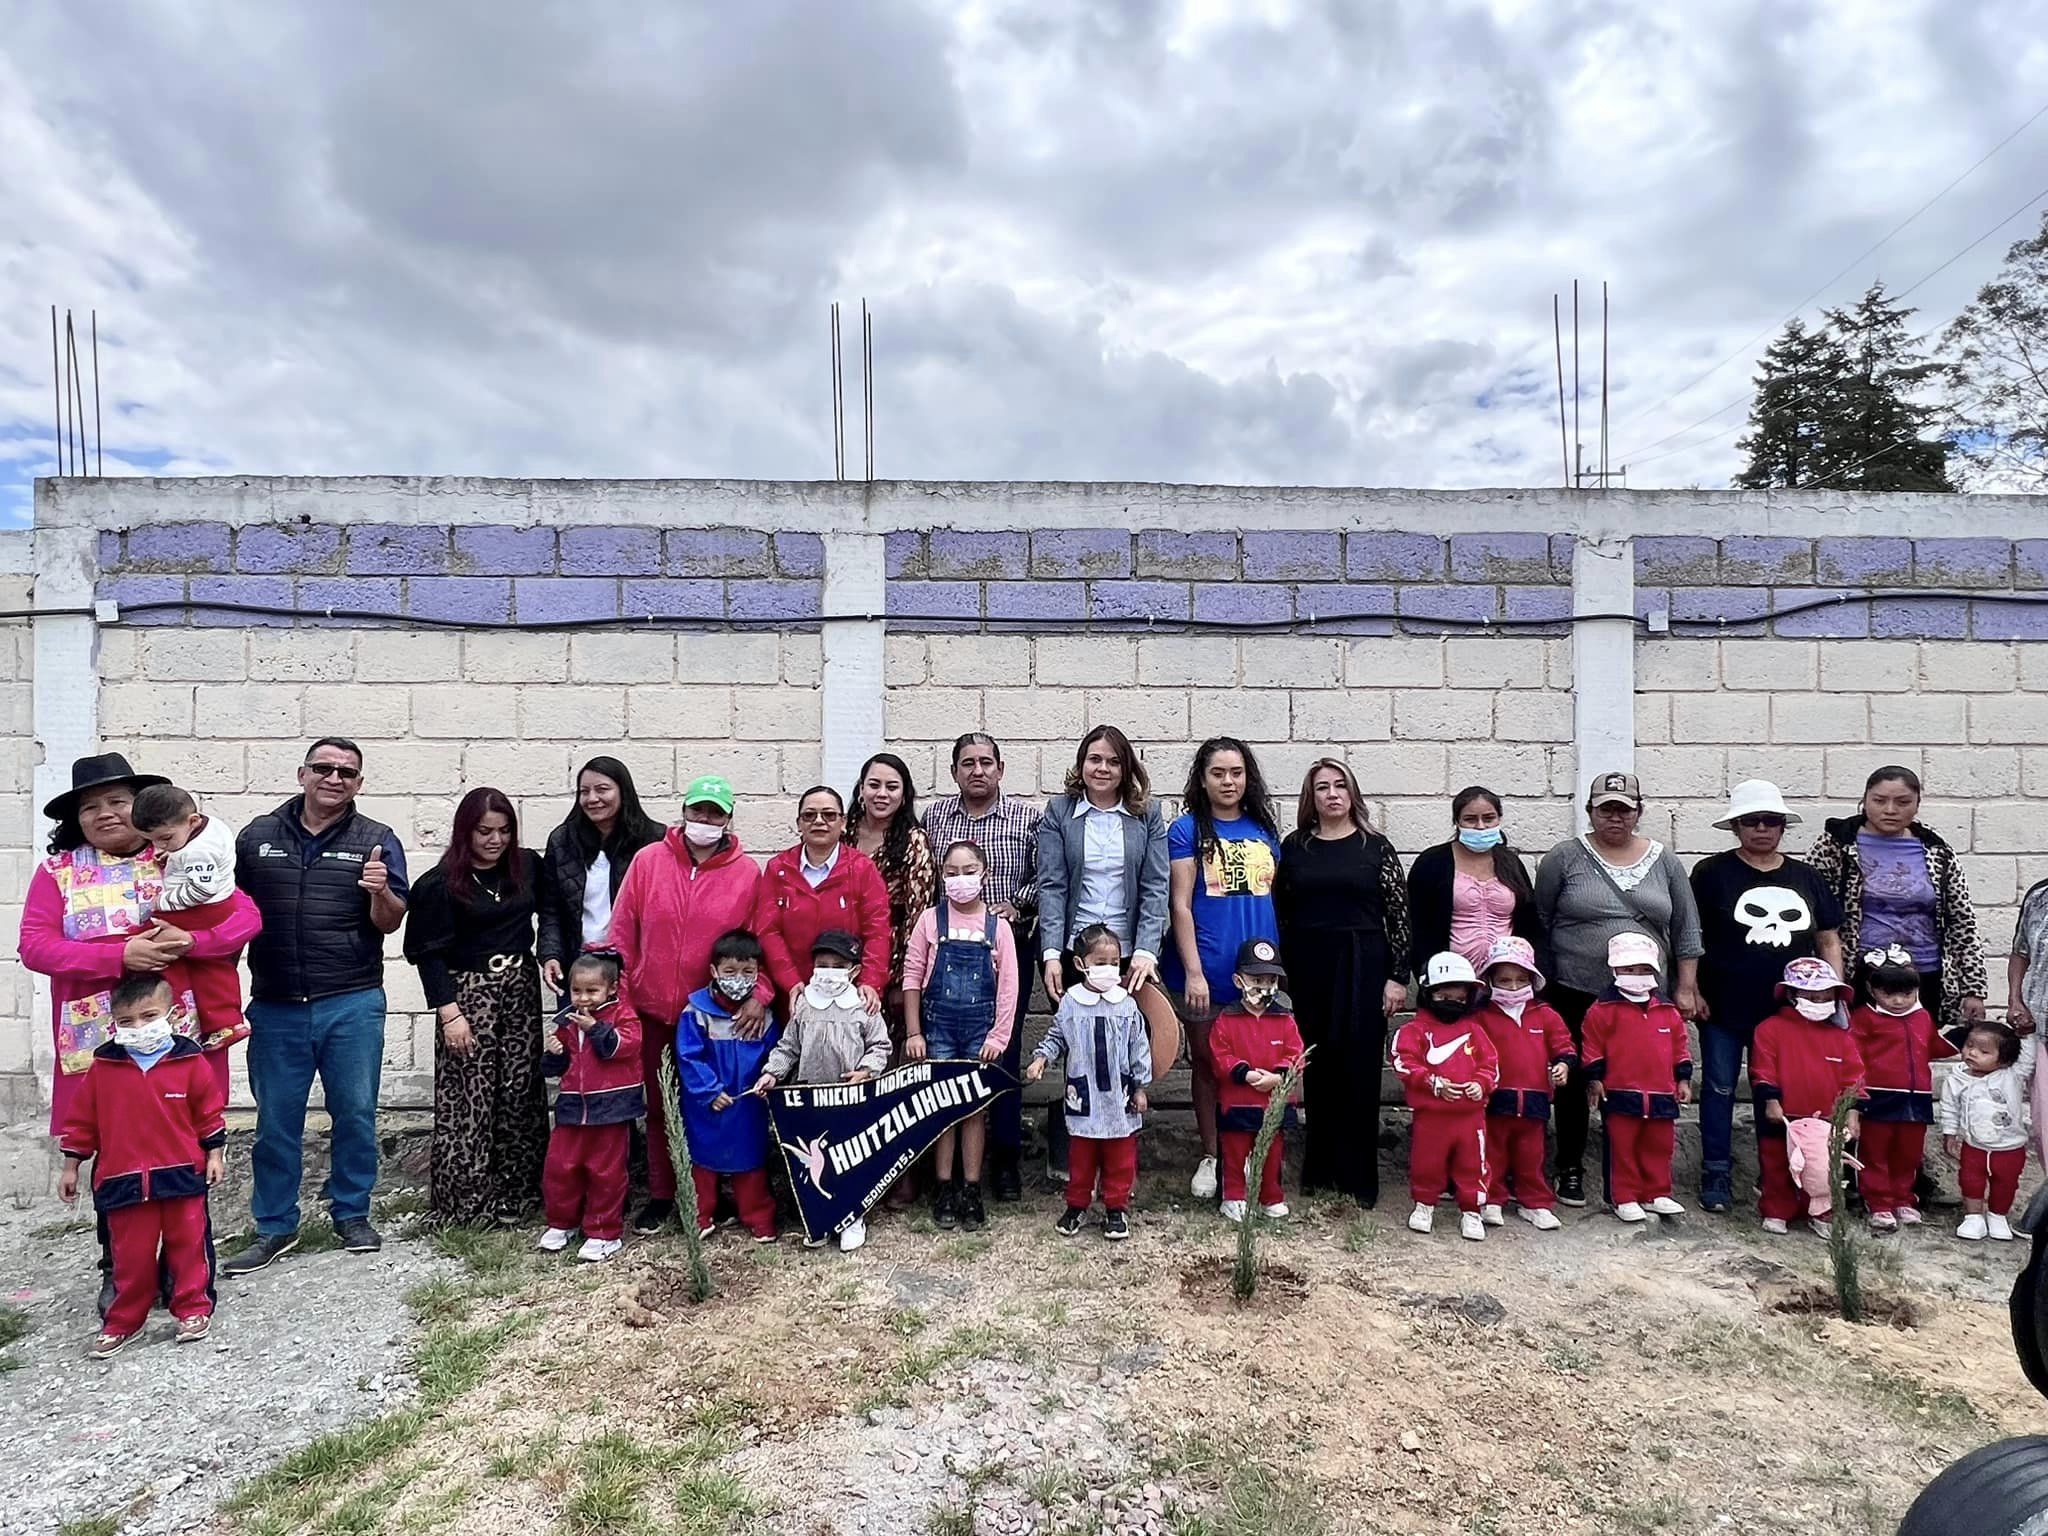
x=1217, y=240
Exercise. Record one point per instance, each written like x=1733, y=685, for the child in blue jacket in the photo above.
x=725, y=1123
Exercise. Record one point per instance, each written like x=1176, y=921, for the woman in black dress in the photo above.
x=1342, y=904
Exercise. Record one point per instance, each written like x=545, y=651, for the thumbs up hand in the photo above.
x=375, y=876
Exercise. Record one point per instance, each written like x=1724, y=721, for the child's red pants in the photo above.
x=1115, y=1158
x=1993, y=1177
x=1514, y=1147
x=1639, y=1158
x=749, y=1192
x=1447, y=1150
x=136, y=1233
x=583, y=1183
x=1235, y=1151
x=1891, y=1151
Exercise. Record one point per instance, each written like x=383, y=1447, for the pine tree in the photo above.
x=1881, y=441
x=1794, y=417
x=1998, y=374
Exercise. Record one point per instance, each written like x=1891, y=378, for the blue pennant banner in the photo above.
x=844, y=1144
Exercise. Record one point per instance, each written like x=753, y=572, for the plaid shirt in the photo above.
x=1007, y=834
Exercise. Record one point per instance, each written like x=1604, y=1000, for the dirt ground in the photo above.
x=1597, y=1379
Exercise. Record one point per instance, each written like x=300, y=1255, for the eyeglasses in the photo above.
x=806, y=817
x=1761, y=823
x=340, y=771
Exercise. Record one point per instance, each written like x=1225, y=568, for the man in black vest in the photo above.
x=331, y=884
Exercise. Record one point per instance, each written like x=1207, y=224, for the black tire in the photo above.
x=2029, y=1304
x=2000, y=1490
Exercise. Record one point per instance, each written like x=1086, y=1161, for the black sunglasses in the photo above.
x=1759, y=822
x=341, y=771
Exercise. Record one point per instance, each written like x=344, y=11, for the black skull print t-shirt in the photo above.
x=1752, y=922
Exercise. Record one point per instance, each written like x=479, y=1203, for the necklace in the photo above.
x=496, y=893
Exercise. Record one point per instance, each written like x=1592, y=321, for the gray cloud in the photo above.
x=1138, y=240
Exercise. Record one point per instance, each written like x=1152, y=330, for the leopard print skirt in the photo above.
x=490, y=1106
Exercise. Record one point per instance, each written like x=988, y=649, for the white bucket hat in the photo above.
x=1756, y=797
x=1512, y=949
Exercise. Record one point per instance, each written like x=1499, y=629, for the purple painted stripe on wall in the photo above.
x=1846, y=621
x=1962, y=562
x=558, y=599
x=1290, y=555
x=1081, y=552
x=109, y=550
x=994, y=556
x=470, y=599
x=1537, y=603
x=702, y=598
x=255, y=591
x=717, y=552
x=790, y=601
x=1761, y=560
x=903, y=556
x=1235, y=602
x=1393, y=557
x=390, y=548
x=1994, y=620
x=1481, y=557
x=145, y=589
x=1016, y=601
x=1944, y=618
x=364, y=594
x=1319, y=600
x=1866, y=562
x=2030, y=563
x=168, y=547
x=933, y=599
x=503, y=551
x=611, y=552
x=1726, y=607
x=305, y=549
x=1201, y=556
x=1418, y=605
x=800, y=554
x=1138, y=599
x=1669, y=560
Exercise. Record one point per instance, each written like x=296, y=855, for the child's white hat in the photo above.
x=1633, y=949
x=1447, y=969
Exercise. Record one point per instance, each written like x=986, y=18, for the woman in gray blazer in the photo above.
x=1102, y=859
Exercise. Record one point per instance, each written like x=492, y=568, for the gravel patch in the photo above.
x=313, y=1343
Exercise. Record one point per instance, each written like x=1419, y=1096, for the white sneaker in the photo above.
x=1972, y=1229
x=596, y=1250
x=1664, y=1205
x=1776, y=1226
x=555, y=1239
x=855, y=1234
x=1493, y=1216
x=1542, y=1221
x=2001, y=1229
x=1883, y=1221
x=1233, y=1210
x=1471, y=1227
x=1277, y=1211
x=1822, y=1227
x=1628, y=1210
x=1422, y=1218
x=1203, y=1185
x=1908, y=1215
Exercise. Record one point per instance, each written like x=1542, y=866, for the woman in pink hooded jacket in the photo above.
x=679, y=896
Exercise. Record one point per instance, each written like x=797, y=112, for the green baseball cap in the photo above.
x=709, y=790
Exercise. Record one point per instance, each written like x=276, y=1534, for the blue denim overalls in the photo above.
x=959, y=1006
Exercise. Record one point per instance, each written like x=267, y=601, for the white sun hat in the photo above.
x=1756, y=797
x=1447, y=969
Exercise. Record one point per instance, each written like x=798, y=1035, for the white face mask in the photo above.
x=830, y=983
x=1101, y=978
x=1636, y=989
x=1260, y=996
x=963, y=890
x=1819, y=1012
x=1898, y=1013
x=702, y=834
x=147, y=1037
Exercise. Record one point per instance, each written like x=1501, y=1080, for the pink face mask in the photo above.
x=1514, y=997
x=963, y=890
x=1636, y=989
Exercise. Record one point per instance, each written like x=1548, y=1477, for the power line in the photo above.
x=1743, y=350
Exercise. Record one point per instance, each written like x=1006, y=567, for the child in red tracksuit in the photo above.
x=1636, y=1058
x=149, y=1114
x=1898, y=1041
x=1536, y=1053
x=1448, y=1066
x=1253, y=1043
x=596, y=1054
x=1801, y=1063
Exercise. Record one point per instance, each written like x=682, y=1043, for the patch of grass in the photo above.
x=709, y=1503
x=523, y=1461
x=964, y=1250
x=844, y=1293
x=69, y=1227
x=1912, y=1402
x=15, y=1325
x=1360, y=1234
x=431, y=1513
x=92, y=1525
x=906, y=1322
x=362, y=1512
x=487, y=1253
x=608, y=1505
x=919, y=1365
x=1052, y=1485
x=1573, y=1359
x=720, y=1415
x=402, y=1202
x=1053, y=1311
x=333, y=1458
x=1248, y=1495
x=1662, y=1513
x=440, y=1300
x=453, y=1360
x=949, y=1519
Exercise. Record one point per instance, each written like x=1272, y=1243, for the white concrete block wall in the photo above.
x=20, y=827
x=1817, y=716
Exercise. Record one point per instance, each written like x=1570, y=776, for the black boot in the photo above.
x=973, y=1215
x=945, y=1208
x=1008, y=1181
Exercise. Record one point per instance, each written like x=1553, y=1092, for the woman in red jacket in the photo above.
x=679, y=896
x=823, y=883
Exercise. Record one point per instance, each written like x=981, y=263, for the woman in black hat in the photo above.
x=89, y=916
